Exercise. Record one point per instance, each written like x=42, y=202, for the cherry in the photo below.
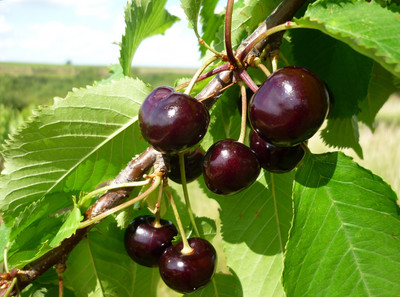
x=152, y=100
x=273, y=158
x=172, y=121
x=186, y=273
x=289, y=107
x=229, y=166
x=193, y=166
x=145, y=242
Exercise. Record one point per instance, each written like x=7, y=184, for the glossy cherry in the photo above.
x=172, y=121
x=289, y=107
x=145, y=243
x=229, y=166
x=193, y=166
x=273, y=158
x=186, y=273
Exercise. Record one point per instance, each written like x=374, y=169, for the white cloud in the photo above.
x=177, y=48
x=4, y=26
x=97, y=8
x=83, y=45
x=177, y=11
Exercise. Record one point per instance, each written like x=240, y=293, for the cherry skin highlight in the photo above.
x=172, y=122
x=229, y=166
x=193, y=166
x=152, y=100
x=145, y=243
x=273, y=158
x=289, y=107
x=186, y=273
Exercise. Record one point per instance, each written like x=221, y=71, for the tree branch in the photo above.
x=133, y=171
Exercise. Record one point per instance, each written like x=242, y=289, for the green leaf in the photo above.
x=382, y=85
x=100, y=266
x=343, y=133
x=35, y=240
x=224, y=118
x=70, y=147
x=345, y=238
x=210, y=22
x=192, y=11
x=247, y=15
x=228, y=285
x=69, y=227
x=143, y=18
x=207, y=227
x=4, y=237
x=45, y=290
x=255, y=225
x=367, y=27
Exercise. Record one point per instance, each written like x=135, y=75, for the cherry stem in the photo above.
x=263, y=68
x=274, y=62
x=112, y=187
x=205, y=44
x=5, y=260
x=186, y=250
x=60, y=285
x=156, y=222
x=218, y=92
x=186, y=193
x=247, y=79
x=269, y=32
x=155, y=183
x=244, y=112
x=208, y=74
x=198, y=73
x=305, y=147
x=10, y=288
x=228, y=33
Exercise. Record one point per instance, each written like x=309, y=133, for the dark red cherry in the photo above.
x=186, y=273
x=289, y=107
x=273, y=158
x=193, y=166
x=174, y=123
x=152, y=100
x=229, y=166
x=145, y=242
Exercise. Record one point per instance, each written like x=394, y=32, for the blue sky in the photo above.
x=83, y=31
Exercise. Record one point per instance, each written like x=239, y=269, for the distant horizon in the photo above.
x=27, y=63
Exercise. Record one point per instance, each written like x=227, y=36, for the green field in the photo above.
x=26, y=85
x=23, y=85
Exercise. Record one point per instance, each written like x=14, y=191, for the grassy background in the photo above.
x=23, y=85
x=26, y=85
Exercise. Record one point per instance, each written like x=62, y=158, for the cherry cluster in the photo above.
x=172, y=122
x=149, y=243
x=285, y=111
